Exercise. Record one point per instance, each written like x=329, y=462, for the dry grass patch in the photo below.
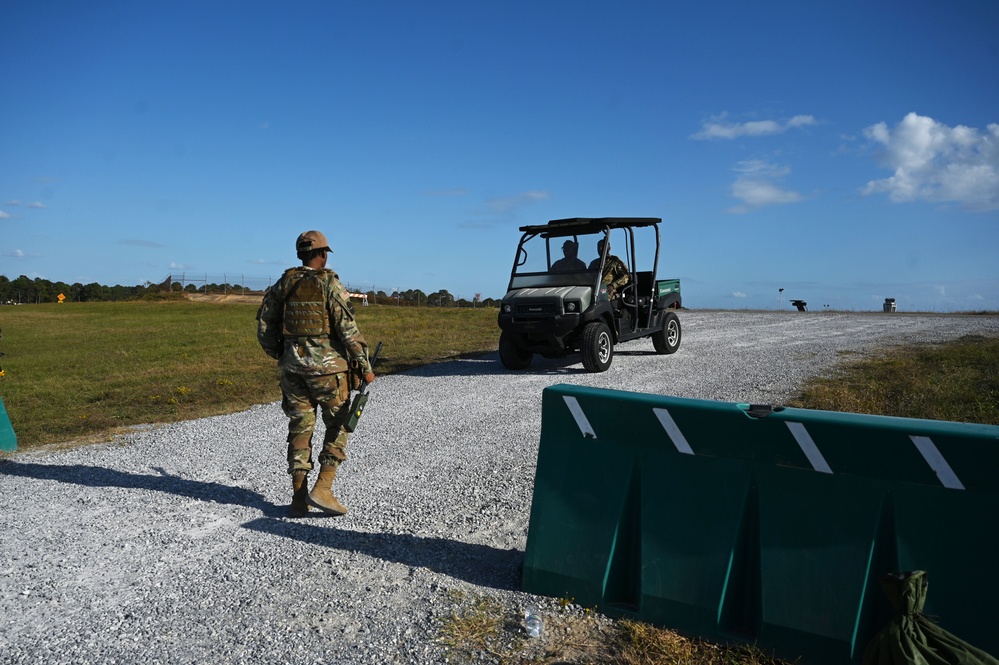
x=482, y=630
x=955, y=381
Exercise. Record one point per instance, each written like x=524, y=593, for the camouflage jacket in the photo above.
x=341, y=349
x=615, y=274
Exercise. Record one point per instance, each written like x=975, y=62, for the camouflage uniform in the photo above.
x=306, y=322
x=615, y=274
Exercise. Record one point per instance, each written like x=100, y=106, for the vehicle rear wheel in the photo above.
x=667, y=340
x=511, y=355
x=597, y=348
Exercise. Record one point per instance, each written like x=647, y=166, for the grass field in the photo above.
x=83, y=371
x=957, y=382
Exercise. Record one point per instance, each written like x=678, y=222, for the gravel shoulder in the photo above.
x=171, y=545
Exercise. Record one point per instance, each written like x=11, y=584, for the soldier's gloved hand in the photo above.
x=369, y=377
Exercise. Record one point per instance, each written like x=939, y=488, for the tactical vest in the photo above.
x=305, y=313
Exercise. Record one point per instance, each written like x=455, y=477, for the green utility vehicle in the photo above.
x=556, y=305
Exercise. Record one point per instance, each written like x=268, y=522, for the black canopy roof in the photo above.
x=584, y=225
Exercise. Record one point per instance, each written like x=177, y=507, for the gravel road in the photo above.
x=171, y=545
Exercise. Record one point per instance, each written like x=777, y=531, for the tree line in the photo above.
x=24, y=290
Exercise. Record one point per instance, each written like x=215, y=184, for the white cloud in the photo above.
x=176, y=266
x=756, y=186
x=509, y=203
x=738, y=294
x=13, y=202
x=500, y=211
x=936, y=163
x=37, y=204
x=16, y=254
x=717, y=128
x=4, y=215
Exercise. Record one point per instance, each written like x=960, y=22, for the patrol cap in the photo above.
x=311, y=240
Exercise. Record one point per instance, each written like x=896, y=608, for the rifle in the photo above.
x=361, y=398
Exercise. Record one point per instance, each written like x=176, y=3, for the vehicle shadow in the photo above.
x=489, y=365
x=643, y=352
x=95, y=476
x=477, y=564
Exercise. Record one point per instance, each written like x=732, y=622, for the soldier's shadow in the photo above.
x=96, y=476
x=478, y=564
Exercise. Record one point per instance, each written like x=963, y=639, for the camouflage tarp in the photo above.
x=913, y=638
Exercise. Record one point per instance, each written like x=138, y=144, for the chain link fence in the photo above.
x=224, y=283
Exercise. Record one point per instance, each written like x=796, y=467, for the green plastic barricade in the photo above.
x=8, y=440
x=738, y=523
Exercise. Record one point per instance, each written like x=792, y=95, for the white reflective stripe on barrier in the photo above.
x=937, y=462
x=808, y=447
x=923, y=444
x=675, y=435
x=577, y=413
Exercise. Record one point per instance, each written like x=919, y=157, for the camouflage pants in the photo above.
x=301, y=394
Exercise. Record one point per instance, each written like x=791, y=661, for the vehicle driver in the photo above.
x=569, y=261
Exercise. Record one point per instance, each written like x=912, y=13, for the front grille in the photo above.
x=536, y=309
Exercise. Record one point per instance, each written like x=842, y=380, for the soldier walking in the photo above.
x=306, y=323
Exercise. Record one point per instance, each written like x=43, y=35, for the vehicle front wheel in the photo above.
x=597, y=348
x=512, y=356
x=667, y=340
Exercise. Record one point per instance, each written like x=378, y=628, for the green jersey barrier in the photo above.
x=739, y=523
x=8, y=440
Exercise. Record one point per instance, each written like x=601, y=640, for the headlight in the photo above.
x=570, y=307
x=507, y=308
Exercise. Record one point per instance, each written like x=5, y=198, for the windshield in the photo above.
x=574, y=260
x=557, y=261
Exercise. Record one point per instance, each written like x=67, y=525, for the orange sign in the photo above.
x=61, y=298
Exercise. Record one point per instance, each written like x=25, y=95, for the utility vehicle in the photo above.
x=554, y=310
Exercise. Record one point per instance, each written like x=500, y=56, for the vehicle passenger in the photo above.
x=615, y=273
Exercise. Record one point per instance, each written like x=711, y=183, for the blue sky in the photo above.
x=844, y=151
